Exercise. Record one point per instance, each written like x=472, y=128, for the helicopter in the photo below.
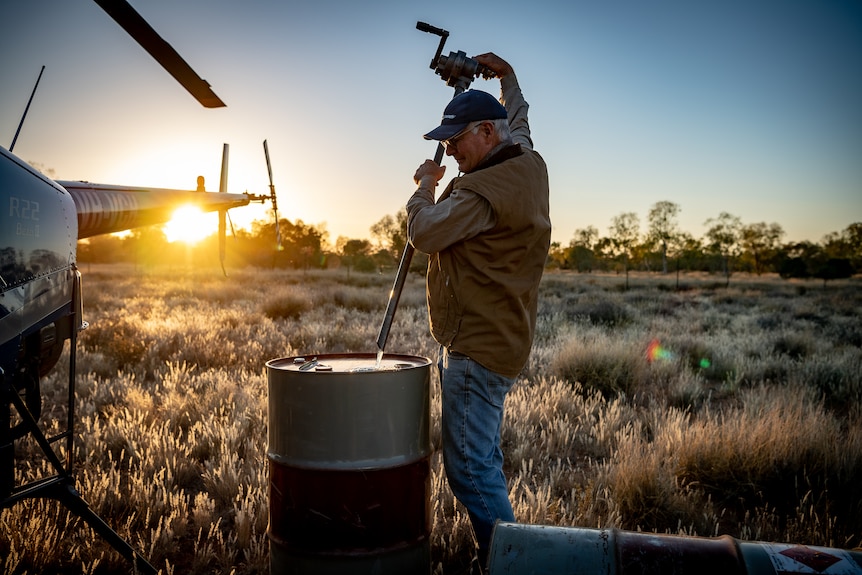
x=41, y=303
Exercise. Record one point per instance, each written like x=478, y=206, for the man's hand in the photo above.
x=428, y=174
x=494, y=63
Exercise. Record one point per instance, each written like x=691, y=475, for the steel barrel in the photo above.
x=349, y=464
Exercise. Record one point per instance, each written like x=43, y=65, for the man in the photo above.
x=488, y=236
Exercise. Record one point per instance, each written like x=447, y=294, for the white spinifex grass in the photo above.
x=748, y=424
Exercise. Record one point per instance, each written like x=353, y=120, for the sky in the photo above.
x=752, y=107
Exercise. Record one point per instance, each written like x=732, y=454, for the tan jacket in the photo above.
x=482, y=292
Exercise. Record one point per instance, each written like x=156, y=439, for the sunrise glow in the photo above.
x=190, y=225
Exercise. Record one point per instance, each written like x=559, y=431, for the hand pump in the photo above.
x=458, y=71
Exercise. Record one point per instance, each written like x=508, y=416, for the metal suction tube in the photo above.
x=403, y=268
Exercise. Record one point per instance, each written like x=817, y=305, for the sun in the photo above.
x=190, y=225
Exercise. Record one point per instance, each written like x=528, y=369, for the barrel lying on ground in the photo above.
x=349, y=449
x=518, y=549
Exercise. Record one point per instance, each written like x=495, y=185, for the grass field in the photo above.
x=702, y=410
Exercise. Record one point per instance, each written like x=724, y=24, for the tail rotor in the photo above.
x=222, y=214
x=273, y=199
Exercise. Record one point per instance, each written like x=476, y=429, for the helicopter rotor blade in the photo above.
x=272, y=197
x=138, y=28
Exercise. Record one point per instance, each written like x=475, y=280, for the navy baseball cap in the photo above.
x=466, y=107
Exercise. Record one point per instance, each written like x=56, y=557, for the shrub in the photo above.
x=289, y=305
x=609, y=365
x=795, y=346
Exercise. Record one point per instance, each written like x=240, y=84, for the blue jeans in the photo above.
x=472, y=415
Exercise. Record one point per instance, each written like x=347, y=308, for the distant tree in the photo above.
x=383, y=260
x=301, y=244
x=679, y=246
x=624, y=230
x=603, y=252
x=390, y=233
x=852, y=235
x=760, y=242
x=556, y=256
x=806, y=260
x=580, y=254
x=663, y=227
x=149, y=245
x=798, y=260
x=586, y=236
x=102, y=249
x=355, y=254
x=834, y=269
x=793, y=267
x=307, y=241
x=723, y=236
x=644, y=252
x=846, y=245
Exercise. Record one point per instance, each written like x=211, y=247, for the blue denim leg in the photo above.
x=472, y=415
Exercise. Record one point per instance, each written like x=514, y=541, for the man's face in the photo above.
x=471, y=146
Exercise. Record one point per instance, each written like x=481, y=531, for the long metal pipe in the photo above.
x=404, y=265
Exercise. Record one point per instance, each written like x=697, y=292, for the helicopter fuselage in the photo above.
x=41, y=221
x=38, y=236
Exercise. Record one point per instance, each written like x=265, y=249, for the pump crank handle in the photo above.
x=425, y=27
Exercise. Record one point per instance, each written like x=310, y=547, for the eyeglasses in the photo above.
x=453, y=141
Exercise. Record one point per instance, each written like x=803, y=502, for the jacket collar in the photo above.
x=503, y=152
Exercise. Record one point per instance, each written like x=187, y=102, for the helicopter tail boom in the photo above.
x=105, y=209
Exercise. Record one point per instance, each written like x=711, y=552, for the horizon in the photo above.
x=176, y=230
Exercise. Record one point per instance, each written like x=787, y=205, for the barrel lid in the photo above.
x=347, y=363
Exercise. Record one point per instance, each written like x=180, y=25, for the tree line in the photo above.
x=293, y=245
x=728, y=246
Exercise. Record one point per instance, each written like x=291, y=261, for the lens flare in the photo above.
x=655, y=352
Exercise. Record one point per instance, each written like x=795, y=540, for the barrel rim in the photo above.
x=415, y=361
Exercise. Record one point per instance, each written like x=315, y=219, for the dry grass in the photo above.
x=705, y=410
